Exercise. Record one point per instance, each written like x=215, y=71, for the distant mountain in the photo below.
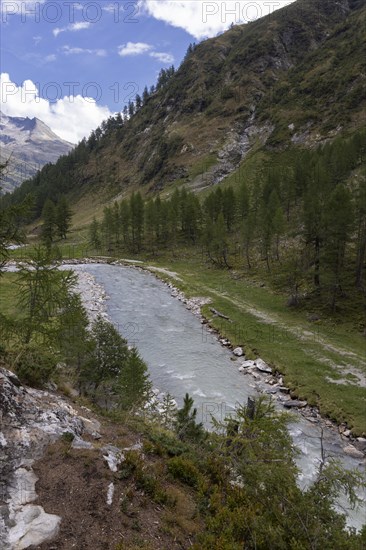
x=290, y=81
x=29, y=144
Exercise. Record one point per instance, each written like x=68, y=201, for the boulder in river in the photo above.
x=238, y=352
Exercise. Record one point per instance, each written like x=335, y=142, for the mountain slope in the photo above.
x=291, y=79
x=29, y=144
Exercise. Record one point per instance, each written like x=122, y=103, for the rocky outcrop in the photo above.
x=30, y=421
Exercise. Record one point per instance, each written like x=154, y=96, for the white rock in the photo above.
x=262, y=366
x=110, y=494
x=79, y=443
x=248, y=364
x=350, y=450
x=238, y=352
x=113, y=458
x=33, y=527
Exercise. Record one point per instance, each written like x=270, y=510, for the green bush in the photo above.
x=35, y=366
x=184, y=469
x=165, y=442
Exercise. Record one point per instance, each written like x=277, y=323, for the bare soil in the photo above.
x=74, y=484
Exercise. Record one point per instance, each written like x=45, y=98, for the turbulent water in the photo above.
x=183, y=356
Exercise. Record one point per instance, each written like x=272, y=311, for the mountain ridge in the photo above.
x=258, y=86
x=28, y=144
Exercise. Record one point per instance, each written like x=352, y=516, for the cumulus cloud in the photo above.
x=68, y=50
x=162, y=57
x=71, y=117
x=73, y=27
x=141, y=48
x=205, y=19
x=134, y=48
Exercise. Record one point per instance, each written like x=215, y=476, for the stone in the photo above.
x=351, y=451
x=33, y=527
x=79, y=443
x=238, y=352
x=262, y=366
x=295, y=404
x=110, y=494
x=248, y=364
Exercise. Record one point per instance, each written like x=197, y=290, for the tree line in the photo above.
x=299, y=219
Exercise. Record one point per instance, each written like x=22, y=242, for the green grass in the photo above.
x=8, y=294
x=308, y=355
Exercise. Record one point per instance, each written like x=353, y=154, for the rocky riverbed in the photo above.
x=265, y=378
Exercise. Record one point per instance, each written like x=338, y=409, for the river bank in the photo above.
x=264, y=378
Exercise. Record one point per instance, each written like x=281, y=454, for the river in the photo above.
x=183, y=356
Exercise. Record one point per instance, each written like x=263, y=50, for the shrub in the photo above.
x=184, y=469
x=35, y=366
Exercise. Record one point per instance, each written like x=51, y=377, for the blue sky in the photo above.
x=73, y=63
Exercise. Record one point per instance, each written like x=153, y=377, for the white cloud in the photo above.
x=67, y=50
x=70, y=117
x=162, y=57
x=134, y=48
x=203, y=18
x=18, y=7
x=141, y=48
x=50, y=58
x=73, y=27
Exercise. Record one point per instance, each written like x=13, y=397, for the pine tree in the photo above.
x=49, y=223
x=94, y=235
x=63, y=217
x=138, y=102
x=338, y=223
x=186, y=421
x=145, y=95
x=131, y=109
x=109, y=357
x=137, y=220
x=133, y=382
x=243, y=201
x=248, y=230
x=125, y=218
x=361, y=231
x=229, y=207
x=168, y=411
x=107, y=228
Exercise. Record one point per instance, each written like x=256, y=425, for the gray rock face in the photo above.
x=30, y=144
x=30, y=420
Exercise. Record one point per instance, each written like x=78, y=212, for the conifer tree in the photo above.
x=49, y=223
x=137, y=220
x=94, y=235
x=125, y=218
x=186, y=421
x=133, y=383
x=360, y=210
x=63, y=217
x=338, y=223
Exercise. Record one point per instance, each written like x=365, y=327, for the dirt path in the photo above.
x=306, y=336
